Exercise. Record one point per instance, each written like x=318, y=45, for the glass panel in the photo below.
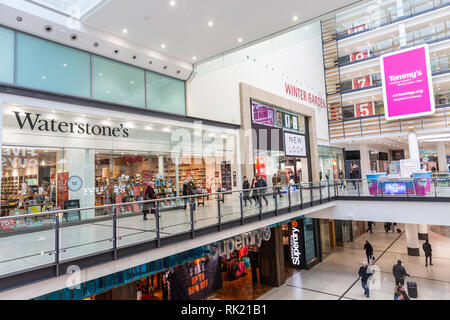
x=74, y=8
x=53, y=67
x=117, y=82
x=165, y=93
x=7, y=55
x=309, y=239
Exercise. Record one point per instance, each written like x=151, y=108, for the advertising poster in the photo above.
x=226, y=175
x=62, y=190
x=262, y=114
x=260, y=167
x=197, y=280
x=407, y=85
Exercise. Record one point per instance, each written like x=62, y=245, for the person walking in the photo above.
x=427, y=249
x=364, y=276
x=387, y=226
x=369, y=226
x=400, y=293
x=261, y=183
x=276, y=183
x=189, y=189
x=341, y=178
x=369, y=252
x=149, y=194
x=254, y=192
x=246, y=192
x=399, y=273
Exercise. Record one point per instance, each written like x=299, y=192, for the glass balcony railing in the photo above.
x=377, y=14
x=436, y=32
x=439, y=64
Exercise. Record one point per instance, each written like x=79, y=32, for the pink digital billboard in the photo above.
x=407, y=85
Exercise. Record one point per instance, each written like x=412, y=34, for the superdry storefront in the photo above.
x=243, y=267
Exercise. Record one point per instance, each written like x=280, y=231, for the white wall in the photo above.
x=414, y=212
x=294, y=57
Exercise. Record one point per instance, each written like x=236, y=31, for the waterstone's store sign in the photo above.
x=35, y=121
x=226, y=247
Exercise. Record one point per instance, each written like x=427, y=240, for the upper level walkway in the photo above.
x=38, y=246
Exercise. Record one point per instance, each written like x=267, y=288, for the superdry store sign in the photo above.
x=297, y=244
x=407, y=84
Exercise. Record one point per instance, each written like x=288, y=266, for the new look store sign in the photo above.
x=294, y=145
x=407, y=83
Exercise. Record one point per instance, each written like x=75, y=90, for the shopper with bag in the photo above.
x=399, y=273
x=364, y=275
x=246, y=192
x=149, y=194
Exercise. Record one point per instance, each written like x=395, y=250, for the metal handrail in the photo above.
x=53, y=212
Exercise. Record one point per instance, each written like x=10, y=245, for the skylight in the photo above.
x=73, y=8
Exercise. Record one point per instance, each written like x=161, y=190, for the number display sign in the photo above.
x=407, y=84
x=364, y=109
x=362, y=82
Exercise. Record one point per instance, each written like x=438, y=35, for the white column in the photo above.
x=402, y=35
x=365, y=160
x=413, y=144
x=422, y=231
x=442, y=156
x=81, y=162
x=412, y=241
x=414, y=154
x=161, y=166
x=400, y=8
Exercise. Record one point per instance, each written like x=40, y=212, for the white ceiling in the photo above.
x=184, y=29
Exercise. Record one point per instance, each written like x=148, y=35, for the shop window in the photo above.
x=89, y=288
x=56, y=295
x=45, y=65
x=78, y=292
x=109, y=281
x=66, y=294
x=165, y=93
x=99, y=285
x=310, y=252
x=117, y=82
x=348, y=112
x=7, y=55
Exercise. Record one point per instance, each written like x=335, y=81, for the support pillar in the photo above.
x=414, y=154
x=412, y=240
x=442, y=156
x=365, y=160
x=422, y=231
x=272, y=259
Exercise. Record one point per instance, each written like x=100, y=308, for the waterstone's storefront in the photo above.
x=58, y=156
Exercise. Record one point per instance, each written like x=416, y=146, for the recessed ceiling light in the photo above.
x=210, y=23
x=125, y=31
x=172, y=3
x=295, y=18
x=163, y=46
x=239, y=39
x=194, y=58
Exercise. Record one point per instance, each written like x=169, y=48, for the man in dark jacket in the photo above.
x=369, y=251
x=364, y=276
x=261, y=183
x=246, y=192
x=427, y=249
x=399, y=273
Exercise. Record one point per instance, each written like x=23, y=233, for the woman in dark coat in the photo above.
x=149, y=194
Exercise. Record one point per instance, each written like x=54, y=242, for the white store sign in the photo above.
x=294, y=145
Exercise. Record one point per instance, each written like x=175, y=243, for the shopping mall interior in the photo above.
x=224, y=150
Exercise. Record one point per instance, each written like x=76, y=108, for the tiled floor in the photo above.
x=336, y=277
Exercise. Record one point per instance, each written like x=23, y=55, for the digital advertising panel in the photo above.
x=407, y=83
